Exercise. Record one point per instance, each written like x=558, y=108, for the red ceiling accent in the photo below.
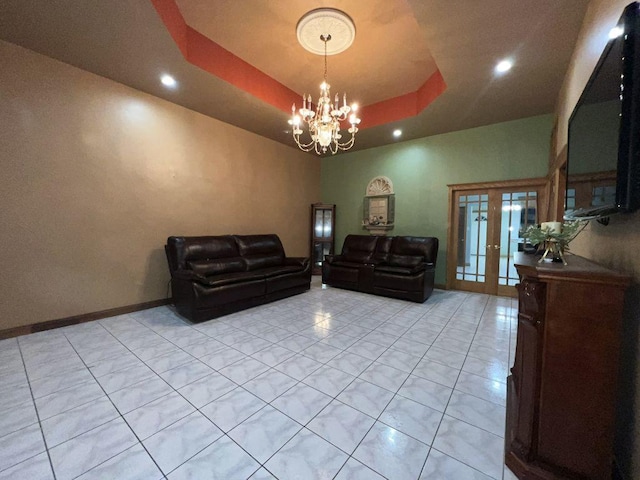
x=403, y=106
x=174, y=21
x=203, y=52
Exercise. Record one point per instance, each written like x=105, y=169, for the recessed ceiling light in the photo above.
x=397, y=133
x=168, y=81
x=615, y=32
x=504, y=66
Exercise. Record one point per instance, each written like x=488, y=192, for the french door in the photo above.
x=485, y=229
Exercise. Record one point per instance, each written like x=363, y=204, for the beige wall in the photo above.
x=96, y=175
x=616, y=245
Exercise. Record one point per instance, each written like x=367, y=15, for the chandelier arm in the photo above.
x=304, y=146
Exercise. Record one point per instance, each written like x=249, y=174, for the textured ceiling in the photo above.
x=371, y=70
x=399, y=44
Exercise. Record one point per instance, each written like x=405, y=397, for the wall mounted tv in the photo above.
x=603, y=165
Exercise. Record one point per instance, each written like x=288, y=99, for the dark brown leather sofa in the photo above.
x=398, y=267
x=215, y=275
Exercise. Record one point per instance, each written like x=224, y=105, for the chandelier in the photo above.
x=323, y=121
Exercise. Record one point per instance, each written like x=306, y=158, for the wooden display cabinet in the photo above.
x=323, y=226
x=562, y=388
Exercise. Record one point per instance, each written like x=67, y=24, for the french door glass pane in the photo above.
x=519, y=210
x=570, y=199
x=473, y=213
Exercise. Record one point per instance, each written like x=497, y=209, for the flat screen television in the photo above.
x=603, y=163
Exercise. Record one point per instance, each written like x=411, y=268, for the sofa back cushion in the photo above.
x=383, y=247
x=405, y=261
x=183, y=250
x=359, y=248
x=260, y=251
x=410, y=251
x=214, y=267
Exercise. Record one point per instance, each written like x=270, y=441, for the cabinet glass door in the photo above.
x=322, y=234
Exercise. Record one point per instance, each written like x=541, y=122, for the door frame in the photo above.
x=542, y=183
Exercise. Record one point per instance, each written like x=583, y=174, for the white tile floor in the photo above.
x=327, y=384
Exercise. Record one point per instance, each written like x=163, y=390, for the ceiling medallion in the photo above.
x=315, y=31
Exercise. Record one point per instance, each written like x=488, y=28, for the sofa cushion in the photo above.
x=232, y=278
x=259, y=262
x=406, y=261
x=217, y=266
x=281, y=270
x=181, y=250
x=248, y=290
x=285, y=277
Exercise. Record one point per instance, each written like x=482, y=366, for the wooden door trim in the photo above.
x=542, y=183
x=526, y=182
x=451, y=249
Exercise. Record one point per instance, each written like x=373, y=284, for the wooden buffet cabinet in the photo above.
x=562, y=388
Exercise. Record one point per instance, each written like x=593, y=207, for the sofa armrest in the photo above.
x=333, y=258
x=297, y=261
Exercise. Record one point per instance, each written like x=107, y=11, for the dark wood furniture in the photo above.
x=562, y=387
x=323, y=227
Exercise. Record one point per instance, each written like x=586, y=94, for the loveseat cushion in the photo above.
x=426, y=247
x=400, y=270
x=359, y=248
x=400, y=282
x=259, y=262
x=383, y=247
x=342, y=263
x=217, y=266
x=405, y=261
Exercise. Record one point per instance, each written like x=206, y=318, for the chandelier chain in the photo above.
x=325, y=39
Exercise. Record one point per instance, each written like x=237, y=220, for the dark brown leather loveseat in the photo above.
x=215, y=275
x=399, y=267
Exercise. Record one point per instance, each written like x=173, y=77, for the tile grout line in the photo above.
x=44, y=440
x=246, y=327
x=117, y=409
x=453, y=388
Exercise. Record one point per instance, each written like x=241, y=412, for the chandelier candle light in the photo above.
x=324, y=121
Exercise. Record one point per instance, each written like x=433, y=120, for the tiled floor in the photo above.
x=327, y=384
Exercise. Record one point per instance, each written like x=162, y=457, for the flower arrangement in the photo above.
x=554, y=237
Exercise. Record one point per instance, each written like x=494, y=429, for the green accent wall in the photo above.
x=421, y=170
